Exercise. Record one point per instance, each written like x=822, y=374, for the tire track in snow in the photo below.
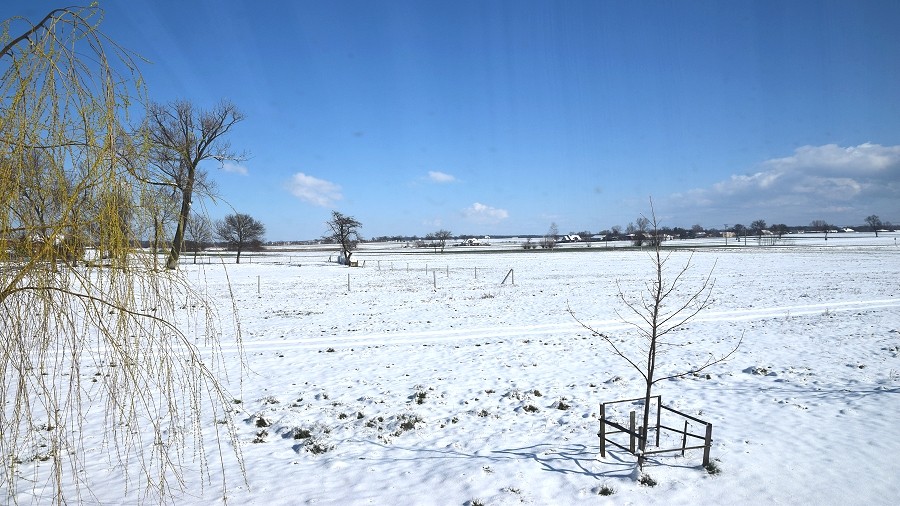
x=389, y=338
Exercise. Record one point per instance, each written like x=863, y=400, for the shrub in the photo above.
x=606, y=490
x=646, y=480
x=317, y=447
x=408, y=422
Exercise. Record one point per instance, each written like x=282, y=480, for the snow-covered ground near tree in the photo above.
x=406, y=381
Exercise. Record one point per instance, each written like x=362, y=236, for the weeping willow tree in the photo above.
x=97, y=371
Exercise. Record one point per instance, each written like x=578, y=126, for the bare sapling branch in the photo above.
x=656, y=312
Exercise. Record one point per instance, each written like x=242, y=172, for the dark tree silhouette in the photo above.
x=345, y=232
x=875, y=222
x=181, y=137
x=240, y=231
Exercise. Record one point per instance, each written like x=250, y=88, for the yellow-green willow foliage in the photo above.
x=92, y=335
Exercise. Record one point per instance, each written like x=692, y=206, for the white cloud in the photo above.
x=440, y=177
x=864, y=160
x=481, y=213
x=814, y=179
x=314, y=190
x=234, y=168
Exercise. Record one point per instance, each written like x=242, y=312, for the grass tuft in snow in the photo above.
x=713, y=468
x=408, y=422
x=646, y=480
x=606, y=490
x=317, y=447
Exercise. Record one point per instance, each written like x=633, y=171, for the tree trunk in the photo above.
x=238, y=260
x=178, y=241
x=155, y=245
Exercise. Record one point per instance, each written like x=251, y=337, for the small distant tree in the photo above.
x=820, y=226
x=160, y=207
x=642, y=223
x=740, y=230
x=441, y=237
x=549, y=240
x=779, y=229
x=874, y=222
x=758, y=226
x=696, y=230
x=239, y=232
x=198, y=234
x=639, y=229
x=664, y=307
x=616, y=231
x=345, y=232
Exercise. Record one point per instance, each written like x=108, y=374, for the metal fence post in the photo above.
x=631, y=433
x=707, y=443
x=658, y=417
x=602, y=433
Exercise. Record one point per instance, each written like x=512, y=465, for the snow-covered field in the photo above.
x=406, y=381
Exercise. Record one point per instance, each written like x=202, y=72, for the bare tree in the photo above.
x=198, y=233
x=64, y=92
x=654, y=314
x=740, y=230
x=240, y=231
x=874, y=222
x=639, y=231
x=758, y=226
x=549, y=240
x=181, y=137
x=821, y=226
x=779, y=229
x=160, y=206
x=345, y=232
x=441, y=237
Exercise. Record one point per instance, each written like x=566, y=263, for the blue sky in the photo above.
x=490, y=117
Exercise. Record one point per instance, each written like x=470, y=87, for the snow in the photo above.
x=412, y=384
